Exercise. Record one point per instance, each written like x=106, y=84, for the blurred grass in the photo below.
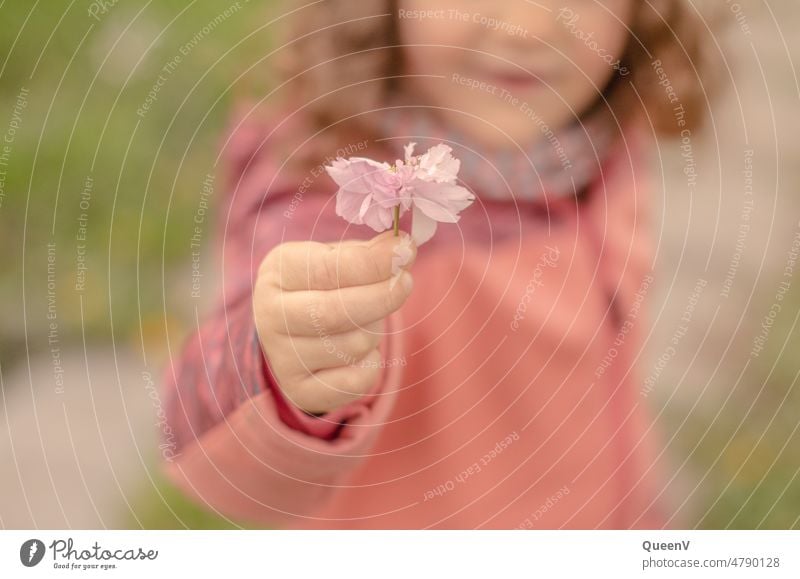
x=85, y=80
x=744, y=454
x=85, y=84
x=162, y=506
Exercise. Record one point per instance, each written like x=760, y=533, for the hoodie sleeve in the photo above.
x=236, y=445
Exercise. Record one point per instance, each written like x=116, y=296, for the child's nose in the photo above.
x=518, y=23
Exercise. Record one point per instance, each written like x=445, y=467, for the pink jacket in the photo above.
x=509, y=399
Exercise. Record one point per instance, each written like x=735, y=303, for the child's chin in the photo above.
x=497, y=134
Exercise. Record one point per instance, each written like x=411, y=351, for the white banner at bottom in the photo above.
x=354, y=554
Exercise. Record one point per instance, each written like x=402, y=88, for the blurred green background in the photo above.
x=85, y=79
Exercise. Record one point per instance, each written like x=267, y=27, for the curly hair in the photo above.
x=340, y=58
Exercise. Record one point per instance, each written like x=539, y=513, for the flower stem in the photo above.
x=397, y=221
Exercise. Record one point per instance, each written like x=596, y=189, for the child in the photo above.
x=499, y=388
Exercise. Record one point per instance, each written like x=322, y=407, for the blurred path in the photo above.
x=80, y=453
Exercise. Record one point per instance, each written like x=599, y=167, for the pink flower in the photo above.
x=377, y=194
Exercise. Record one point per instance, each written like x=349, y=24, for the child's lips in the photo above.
x=514, y=80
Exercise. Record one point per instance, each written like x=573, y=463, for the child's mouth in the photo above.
x=516, y=80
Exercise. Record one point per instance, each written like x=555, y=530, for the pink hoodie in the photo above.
x=510, y=397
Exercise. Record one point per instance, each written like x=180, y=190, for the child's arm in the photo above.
x=234, y=442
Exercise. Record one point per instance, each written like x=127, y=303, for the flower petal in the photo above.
x=422, y=227
x=441, y=201
x=378, y=218
x=348, y=205
x=359, y=175
x=362, y=210
x=367, y=193
x=409, y=151
x=439, y=165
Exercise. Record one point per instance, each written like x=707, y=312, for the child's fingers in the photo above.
x=302, y=355
x=299, y=266
x=312, y=313
x=334, y=387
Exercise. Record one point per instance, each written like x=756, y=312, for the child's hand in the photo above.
x=319, y=310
